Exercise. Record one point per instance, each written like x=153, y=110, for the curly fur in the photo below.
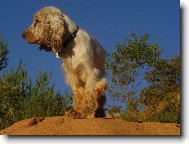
x=82, y=60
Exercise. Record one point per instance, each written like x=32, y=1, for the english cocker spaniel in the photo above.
x=82, y=58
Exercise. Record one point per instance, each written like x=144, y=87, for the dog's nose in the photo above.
x=24, y=34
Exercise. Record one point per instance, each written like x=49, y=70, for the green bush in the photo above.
x=127, y=65
x=3, y=53
x=147, y=85
x=21, y=98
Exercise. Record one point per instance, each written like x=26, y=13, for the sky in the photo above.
x=109, y=21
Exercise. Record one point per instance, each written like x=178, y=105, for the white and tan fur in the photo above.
x=83, y=60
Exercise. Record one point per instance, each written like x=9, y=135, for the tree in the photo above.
x=3, y=53
x=127, y=65
x=162, y=96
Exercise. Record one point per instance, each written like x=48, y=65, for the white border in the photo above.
x=185, y=70
x=134, y=140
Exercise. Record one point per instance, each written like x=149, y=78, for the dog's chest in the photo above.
x=70, y=63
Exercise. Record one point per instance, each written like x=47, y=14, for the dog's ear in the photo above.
x=56, y=32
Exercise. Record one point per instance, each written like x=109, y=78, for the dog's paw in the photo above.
x=73, y=114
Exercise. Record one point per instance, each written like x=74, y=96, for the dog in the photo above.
x=83, y=59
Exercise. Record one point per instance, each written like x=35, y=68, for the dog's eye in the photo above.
x=36, y=22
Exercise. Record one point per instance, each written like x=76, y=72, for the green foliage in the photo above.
x=127, y=65
x=7, y=108
x=20, y=98
x=164, y=90
x=113, y=110
x=131, y=116
x=3, y=53
x=136, y=62
x=167, y=117
x=166, y=72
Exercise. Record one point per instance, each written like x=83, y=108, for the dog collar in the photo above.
x=70, y=37
x=68, y=40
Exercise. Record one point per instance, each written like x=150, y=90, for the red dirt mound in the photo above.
x=61, y=125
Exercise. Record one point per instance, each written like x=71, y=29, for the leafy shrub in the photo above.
x=127, y=65
x=3, y=53
x=163, y=94
x=21, y=98
x=148, y=86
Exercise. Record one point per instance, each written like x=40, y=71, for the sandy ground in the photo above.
x=61, y=125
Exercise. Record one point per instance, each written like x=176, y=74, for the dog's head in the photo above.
x=47, y=29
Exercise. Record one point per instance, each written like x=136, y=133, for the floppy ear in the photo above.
x=56, y=32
